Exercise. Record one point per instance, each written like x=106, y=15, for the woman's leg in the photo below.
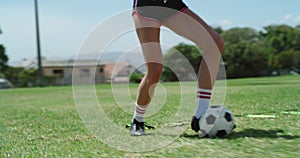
x=148, y=33
x=192, y=27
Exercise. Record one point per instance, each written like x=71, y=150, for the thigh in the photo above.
x=189, y=25
x=148, y=33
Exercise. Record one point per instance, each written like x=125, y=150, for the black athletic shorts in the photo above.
x=158, y=10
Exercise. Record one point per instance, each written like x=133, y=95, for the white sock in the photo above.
x=139, y=113
x=203, y=101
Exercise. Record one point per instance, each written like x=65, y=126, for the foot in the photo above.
x=137, y=128
x=195, y=124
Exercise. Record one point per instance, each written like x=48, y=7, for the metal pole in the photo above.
x=39, y=58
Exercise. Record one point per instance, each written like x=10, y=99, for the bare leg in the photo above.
x=192, y=27
x=148, y=33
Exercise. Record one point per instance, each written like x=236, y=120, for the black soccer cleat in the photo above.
x=195, y=124
x=137, y=128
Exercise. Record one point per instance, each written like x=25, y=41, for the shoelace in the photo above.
x=148, y=126
x=145, y=125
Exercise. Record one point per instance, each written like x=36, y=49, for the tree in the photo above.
x=281, y=37
x=219, y=30
x=178, y=59
x=296, y=41
x=136, y=77
x=20, y=77
x=236, y=35
x=3, y=59
x=244, y=53
x=287, y=61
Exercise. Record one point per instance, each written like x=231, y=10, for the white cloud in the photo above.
x=290, y=18
x=297, y=19
x=287, y=17
x=225, y=22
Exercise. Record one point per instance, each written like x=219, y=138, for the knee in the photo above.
x=154, y=72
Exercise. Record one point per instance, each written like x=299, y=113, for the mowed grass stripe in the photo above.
x=43, y=122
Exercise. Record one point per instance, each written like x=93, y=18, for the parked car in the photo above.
x=5, y=84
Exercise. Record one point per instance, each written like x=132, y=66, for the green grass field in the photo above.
x=44, y=122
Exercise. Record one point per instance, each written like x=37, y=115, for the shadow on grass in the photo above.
x=252, y=133
x=264, y=83
x=260, y=133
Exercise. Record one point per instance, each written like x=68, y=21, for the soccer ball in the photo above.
x=217, y=122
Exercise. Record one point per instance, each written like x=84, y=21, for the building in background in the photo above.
x=86, y=71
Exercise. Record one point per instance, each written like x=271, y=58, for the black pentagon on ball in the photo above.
x=234, y=126
x=210, y=119
x=228, y=117
x=221, y=134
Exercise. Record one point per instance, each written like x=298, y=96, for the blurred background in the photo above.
x=262, y=38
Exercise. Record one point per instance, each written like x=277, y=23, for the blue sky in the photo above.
x=64, y=23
